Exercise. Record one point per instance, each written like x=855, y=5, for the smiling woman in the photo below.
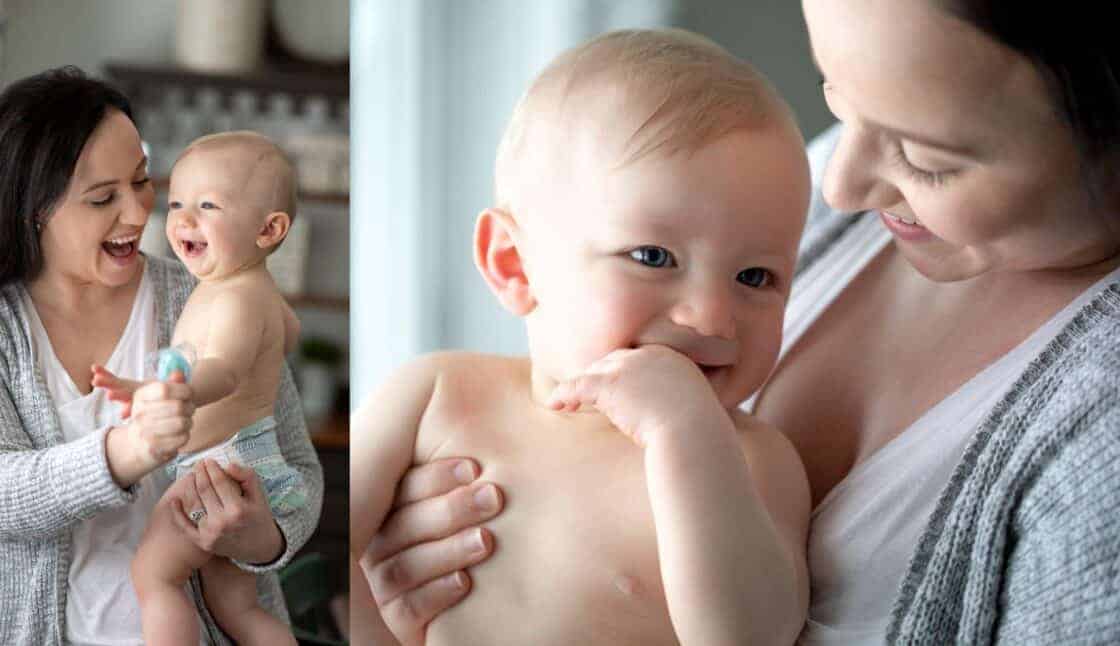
x=79, y=484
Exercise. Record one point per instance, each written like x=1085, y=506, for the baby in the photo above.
x=230, y=204
x=650, y=194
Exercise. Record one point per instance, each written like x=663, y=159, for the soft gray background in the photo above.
x=433, y=82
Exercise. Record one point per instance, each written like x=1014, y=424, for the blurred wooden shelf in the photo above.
x=161, y=183
x=333, y=433
x=274, y=76
x=311, y=301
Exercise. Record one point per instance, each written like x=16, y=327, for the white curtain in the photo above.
x=433, y=83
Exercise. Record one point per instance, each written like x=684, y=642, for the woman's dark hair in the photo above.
x=1073, y=48
x=45, y=121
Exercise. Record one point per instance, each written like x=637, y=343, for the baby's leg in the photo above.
x=162, y=565
x=231, y=597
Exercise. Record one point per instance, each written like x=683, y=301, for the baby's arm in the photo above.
x=730, y=529
x=383, y=439
x=234, y=336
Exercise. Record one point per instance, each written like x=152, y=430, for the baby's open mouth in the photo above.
x=121, y=247
x=193, y=248
x=708, y=370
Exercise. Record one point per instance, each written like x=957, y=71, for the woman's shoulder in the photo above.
x=11, y=326
x=168, y=273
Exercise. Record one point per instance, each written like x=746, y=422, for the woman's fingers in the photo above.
x=410, y=613
x=228, y=491
x=418, y=565
x=181, y=516
x=435, y=479
x=205, y=487
x=434, y=519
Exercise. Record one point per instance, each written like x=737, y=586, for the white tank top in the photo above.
x=863, y=533
x=101, y=604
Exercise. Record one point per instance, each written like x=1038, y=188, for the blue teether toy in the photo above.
x=168, y=360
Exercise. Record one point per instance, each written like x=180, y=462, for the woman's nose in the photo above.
x=707, y=309
x=853, y=179
x=138, y=206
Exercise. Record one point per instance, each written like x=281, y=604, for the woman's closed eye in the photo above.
x=925, y=176
x=653, y=256
x=756, y=277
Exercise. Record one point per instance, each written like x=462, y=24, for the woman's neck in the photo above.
x=64, y=293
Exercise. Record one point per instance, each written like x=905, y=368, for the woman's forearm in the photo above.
x=727, y=576
x=126, y=465
x=46, y=491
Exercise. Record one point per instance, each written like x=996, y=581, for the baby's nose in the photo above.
x=707, y=312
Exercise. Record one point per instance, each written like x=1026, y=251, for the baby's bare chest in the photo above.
x=576, y=556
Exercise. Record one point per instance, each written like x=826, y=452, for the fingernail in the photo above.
x=486, y=498
x=464, y=472
x=458, y=580
x=476, y=544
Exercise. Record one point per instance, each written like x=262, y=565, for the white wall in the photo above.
x=86, y=33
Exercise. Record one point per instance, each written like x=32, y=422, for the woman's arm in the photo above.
x=46, y=491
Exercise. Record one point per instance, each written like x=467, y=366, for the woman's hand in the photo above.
x=160, y=424
x=236, y=521
x=415, y=564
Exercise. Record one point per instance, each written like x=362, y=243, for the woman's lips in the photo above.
x=910, y=232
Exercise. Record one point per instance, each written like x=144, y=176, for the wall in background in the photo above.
x=48, y=34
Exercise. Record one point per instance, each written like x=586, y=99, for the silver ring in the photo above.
x=197, y=515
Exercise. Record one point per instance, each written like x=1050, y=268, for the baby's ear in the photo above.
x=276, y=225
x=496, y=255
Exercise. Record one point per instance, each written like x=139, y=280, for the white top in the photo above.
x=101, y=605
x=865, y=530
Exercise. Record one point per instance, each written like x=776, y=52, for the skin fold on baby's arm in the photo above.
x=383, y=439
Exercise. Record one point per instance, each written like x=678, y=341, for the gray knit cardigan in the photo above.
x=48, y=486
x=1024, y=544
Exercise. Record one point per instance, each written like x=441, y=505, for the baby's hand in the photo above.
x=653, y=389
x=119, y=390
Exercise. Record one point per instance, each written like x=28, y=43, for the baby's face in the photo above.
x=212, y=219
x=693, y=251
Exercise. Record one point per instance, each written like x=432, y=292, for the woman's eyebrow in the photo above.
x=111, y=182
x=94, y=187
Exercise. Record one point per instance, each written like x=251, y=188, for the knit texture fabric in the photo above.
x=48, y=486
x=1024, y=544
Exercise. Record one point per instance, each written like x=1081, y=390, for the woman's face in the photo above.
x=955, y=141
x=93, y=235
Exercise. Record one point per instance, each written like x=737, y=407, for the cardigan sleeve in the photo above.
x=44, y=492
x=1061, y=582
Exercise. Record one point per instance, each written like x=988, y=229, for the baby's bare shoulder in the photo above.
x=763, y=442
x=474, y=376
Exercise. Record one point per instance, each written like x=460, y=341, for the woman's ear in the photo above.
x=276, y=225
x=498, y=259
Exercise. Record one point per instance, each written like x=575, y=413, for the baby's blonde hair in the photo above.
x=283, y=196
x=666, y=91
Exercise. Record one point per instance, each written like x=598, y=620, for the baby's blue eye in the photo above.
x=174, y=205
x=755, y=277
x=207, y=205
x=652, y=256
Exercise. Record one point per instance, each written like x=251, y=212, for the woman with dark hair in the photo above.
x=78, y=484
x=950, y=372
